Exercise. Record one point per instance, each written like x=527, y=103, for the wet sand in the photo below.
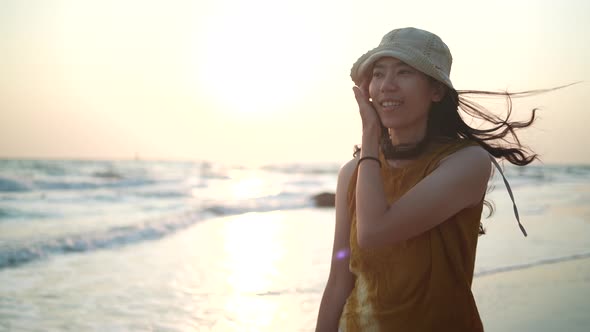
x=252, y=272
x=552, y=297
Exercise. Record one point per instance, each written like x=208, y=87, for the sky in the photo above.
x=264, y=81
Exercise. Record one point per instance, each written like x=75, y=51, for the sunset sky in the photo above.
x=263, y=81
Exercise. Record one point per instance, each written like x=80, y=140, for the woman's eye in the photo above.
x=405, y=71
x=377, y=74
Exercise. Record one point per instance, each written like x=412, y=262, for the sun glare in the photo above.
x=250, y=185
x=253, y=67
x=253, y=253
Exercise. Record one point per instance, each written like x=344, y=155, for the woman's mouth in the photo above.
x=391, y=105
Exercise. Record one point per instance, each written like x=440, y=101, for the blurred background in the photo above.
x=261, y=81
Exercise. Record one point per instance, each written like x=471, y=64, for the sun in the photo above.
x=253, y=67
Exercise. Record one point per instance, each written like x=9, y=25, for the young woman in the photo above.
x=408, y=206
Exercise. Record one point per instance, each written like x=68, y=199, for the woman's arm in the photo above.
x=458, y=182
x=341, y=280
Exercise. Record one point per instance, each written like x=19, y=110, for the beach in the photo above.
x=551, y=297
x=251, y=272
x=184, y=247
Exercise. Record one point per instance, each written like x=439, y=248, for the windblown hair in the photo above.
x=498, y=137
x=500, y=140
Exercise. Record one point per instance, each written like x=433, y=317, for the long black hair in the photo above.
x=498, y=137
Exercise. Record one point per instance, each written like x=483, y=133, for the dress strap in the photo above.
x=509, y=193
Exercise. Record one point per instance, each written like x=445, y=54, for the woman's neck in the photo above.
x=406, y=137
x=404, y=146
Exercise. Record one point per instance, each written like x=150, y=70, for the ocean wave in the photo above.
x=47, y=167
x=109, y=174
x=163, y=193
x=13, y=213
x=285, y=200
x=303, y=169
x=545, y=174
x=529, y=265
x=16, y=255
x=224, y=210
x=13, y=185
x=83, y=184
x=19, y=254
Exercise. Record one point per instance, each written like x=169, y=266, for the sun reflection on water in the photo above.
x=252, y=252
x=247, y=188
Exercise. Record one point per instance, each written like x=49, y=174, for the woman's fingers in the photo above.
x=359, y=95
x=367, y=111
x=365, y=87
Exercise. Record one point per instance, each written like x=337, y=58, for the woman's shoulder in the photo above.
x=348, y=169
x=469, y=159
x=459, y=150
x=442, y=147
x=450, y=142
x=470, y=153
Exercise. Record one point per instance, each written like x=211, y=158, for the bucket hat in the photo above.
x=418, y=48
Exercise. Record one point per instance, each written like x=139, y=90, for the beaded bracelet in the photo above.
x=369, y=158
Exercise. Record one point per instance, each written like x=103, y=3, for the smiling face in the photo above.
x=402, y=96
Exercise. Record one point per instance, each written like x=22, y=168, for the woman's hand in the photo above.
x=369, y=117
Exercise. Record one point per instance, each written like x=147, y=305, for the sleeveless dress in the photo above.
x=423, y=283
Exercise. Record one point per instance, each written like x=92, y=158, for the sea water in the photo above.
x=52, y=208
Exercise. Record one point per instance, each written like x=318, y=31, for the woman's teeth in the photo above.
x=391, y=104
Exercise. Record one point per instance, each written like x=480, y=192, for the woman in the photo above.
x=408, y=206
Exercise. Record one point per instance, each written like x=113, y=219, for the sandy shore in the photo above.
x=552, y=297
x=253, y=272
x=259, y=272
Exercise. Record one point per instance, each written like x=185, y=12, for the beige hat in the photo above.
x=420, y=49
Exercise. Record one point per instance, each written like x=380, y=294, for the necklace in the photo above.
x=403, y=151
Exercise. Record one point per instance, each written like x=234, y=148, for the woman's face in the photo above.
x=401, y=94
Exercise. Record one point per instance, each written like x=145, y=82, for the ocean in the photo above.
x=50, y=208
x=202, y=246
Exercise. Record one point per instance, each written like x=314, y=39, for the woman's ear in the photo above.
x=439, y=92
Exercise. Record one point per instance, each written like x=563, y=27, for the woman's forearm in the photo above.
x=333, y=301
x=371, y=204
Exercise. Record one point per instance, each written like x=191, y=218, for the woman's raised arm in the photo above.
x=458, y=182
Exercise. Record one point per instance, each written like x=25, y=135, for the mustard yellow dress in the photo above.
x=421, y=284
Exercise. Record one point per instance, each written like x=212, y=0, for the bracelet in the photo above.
x=369, y=158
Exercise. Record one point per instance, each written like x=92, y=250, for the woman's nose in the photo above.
x=389, y=83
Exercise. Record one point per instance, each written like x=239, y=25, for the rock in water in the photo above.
x=325, y=200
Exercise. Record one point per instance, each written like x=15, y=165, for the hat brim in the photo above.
x=408, y=56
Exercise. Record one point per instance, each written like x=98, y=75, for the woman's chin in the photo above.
x=392, y=124
x=401, y=123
